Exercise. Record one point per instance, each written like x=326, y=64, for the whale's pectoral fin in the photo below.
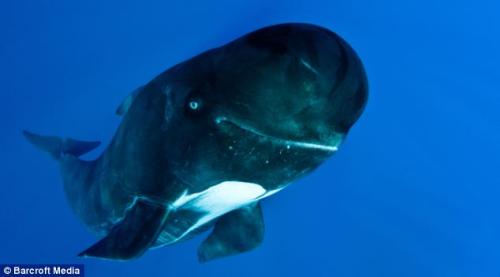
x=132, y=236
x=127, y=102
x=236, y=232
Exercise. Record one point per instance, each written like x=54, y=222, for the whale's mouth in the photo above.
x=285, y=142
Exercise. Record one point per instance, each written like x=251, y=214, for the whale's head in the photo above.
x=279, y=100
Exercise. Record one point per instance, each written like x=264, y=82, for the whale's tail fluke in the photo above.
x=57, y=146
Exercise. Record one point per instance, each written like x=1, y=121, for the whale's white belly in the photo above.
x=191, y=211
x=219, y=199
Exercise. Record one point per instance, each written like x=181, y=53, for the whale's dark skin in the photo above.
x=202, y=143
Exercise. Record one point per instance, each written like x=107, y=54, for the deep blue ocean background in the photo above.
x=414, y=191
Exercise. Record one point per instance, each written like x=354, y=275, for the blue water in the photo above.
x=413, y=192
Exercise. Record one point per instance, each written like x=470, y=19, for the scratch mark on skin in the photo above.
x=308, y=66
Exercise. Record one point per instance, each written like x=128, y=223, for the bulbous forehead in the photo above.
x=294, y=66
x=302, y=73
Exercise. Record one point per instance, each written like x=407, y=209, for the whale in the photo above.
x=203, y=143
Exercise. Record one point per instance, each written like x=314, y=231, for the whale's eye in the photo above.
x=194, y=105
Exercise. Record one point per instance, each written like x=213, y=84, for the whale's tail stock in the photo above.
x=57, y=146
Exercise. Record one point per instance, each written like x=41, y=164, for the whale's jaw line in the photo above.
x=287, y=142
